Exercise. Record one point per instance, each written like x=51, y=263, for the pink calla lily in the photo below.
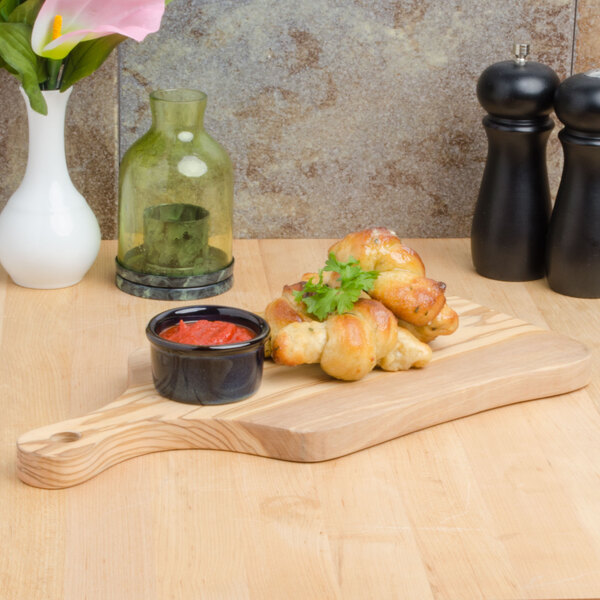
x=89, y=19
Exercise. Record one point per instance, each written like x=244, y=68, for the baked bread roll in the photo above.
x=388, y=327
x=284, y=311
x=444, y=323
x=347, y=346
x=378, y=249
x=417, y=301
x=412, y=298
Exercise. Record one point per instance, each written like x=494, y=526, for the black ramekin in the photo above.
x=207, y=374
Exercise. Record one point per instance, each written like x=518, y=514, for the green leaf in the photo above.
x=6, y=7
x=86, y=57
x=321, y=300
x=346, y=301
x=15, y=50
x=3, y=65
x=351, y=276
x=26, y=12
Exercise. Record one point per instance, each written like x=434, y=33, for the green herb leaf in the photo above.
x=16, y=52
x=321, y=299
x=86, y=57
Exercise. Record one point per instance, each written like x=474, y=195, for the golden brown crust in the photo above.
x=285, y=310
x=414, y=299
x=350, y=345
x=401, y=285
x=445, y=323
x=382, y=320
x=349, y=352
x=378, y=249
x=347, y=346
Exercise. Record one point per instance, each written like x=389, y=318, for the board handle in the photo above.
x=73, y=451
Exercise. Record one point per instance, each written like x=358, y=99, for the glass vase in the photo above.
x=175, y=205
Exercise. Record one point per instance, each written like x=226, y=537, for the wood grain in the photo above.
x=300, y=414
x=501, y=504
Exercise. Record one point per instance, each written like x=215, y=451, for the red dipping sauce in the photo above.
x=206, y=333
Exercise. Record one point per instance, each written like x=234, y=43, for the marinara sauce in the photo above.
x=206, y=333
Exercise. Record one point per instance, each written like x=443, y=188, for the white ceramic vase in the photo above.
x=49, y=236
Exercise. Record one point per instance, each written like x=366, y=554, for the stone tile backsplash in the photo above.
x=338, y=114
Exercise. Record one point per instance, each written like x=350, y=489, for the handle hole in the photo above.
x=65, y=436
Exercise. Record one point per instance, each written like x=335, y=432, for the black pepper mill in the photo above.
x=513, y=208
x=574, y=234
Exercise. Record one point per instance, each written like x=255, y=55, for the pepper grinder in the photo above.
x=574, y=234
x=513, y=207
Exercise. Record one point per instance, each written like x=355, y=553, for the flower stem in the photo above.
x=54, y=66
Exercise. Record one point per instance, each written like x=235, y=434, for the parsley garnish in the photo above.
x=321, y=300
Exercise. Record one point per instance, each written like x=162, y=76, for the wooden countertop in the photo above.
x=503, y=504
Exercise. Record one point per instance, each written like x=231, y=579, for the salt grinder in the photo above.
x=513, y=207
x=574, y=235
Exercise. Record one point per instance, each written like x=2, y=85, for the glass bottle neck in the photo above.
x=177, y=110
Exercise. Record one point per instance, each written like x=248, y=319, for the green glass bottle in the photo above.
x=175, y=205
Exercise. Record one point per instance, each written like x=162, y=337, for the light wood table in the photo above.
x=503, y=504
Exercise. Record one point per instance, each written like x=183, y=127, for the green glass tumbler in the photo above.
x=175, y=205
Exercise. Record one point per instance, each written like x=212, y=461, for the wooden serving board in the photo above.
x=300, y=414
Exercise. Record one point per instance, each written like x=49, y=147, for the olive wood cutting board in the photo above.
x=300, y=414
